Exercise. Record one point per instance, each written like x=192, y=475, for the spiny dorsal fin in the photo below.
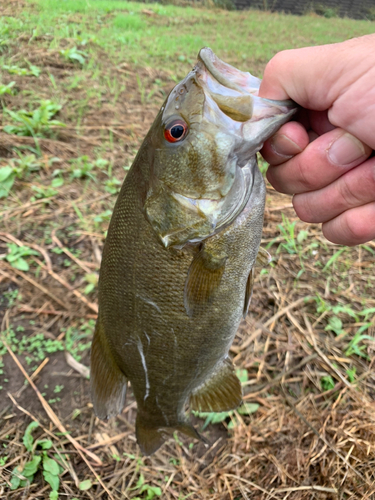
x=203, y=279
x=108, y=383
x=263, y=258
x=221, y=392
x=248, y=293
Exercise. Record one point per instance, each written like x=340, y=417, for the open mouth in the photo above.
x=236, y=92
x=230, y=88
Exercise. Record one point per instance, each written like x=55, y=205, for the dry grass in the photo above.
x=313, y=435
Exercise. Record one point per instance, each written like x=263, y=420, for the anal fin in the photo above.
x=221, y=392
x=108, y=383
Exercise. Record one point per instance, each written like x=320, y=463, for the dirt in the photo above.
x=304, y=440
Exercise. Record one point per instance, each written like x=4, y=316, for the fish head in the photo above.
x=204, y=144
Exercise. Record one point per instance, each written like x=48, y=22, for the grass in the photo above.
x=79, y=87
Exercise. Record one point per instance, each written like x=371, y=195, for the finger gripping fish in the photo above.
x=176, y=274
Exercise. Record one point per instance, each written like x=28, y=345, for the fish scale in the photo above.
x=175, y=278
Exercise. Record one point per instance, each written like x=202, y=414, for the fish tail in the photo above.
x=150, y=438
x=108, y=383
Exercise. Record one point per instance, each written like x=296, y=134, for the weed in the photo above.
x=354, y=347
x=150, y=491
x=327, y=383
x=23, y=476
x=92, y=280
x=74, y=55
x=7, y=89
x=35, y=123
x=351, y=373
x=43, y=192
x=17, y=70
x=18, y=168
x=16, y=254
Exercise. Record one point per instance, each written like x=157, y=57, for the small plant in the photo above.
x=7, y=89
x=43, y=192
x=92, y=280
x=16, y=255
x=81, y=168
x=74, y=55
x=35, y=123
x=327, y=383
x=150, y=491
x=23, y=475
x=354, y=347
x=18, y=168
x=16, y=70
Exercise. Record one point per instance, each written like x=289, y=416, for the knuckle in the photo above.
x=357, y=228
x=304, y=208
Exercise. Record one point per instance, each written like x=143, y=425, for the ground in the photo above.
x=90, y=79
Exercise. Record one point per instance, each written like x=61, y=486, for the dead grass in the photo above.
x=313, y=435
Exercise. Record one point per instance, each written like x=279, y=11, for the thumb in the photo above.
x=315, y=77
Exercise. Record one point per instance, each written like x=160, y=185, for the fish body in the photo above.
x=176, y=273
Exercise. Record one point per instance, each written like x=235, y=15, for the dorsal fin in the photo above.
x=221, y=392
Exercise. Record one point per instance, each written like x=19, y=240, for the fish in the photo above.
x=176, y=275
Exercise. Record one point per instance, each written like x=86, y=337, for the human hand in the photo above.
x=323, y=158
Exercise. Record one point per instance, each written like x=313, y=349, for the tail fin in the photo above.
x=150, y=438
x=108, y=383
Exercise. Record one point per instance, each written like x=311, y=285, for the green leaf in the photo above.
x=85, y=485
x=242, y=375
x=53, y=495
x=16, y=479
x=7, y=185
x=50, y=465
x=28, y=439
x=57, y=182
x=248, y=408
x=45, y=444
x=5, y=172
x=32, y=466
x=52, y=479
x=20, y=264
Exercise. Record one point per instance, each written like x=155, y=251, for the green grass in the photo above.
x=174, y=35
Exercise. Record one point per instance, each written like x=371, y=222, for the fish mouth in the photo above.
x=234, y=91
x=230, y=88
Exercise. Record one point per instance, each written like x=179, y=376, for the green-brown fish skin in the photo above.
x=176, y=273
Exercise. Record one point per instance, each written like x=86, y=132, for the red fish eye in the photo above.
x=175, y=131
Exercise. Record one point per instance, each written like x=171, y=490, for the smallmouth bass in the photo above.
x=176, y=275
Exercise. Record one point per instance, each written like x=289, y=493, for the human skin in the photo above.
x=325, y=158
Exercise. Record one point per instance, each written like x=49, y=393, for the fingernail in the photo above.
x=345, y=150
x=282, y=145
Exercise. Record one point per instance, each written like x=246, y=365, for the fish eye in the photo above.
x=175, y=131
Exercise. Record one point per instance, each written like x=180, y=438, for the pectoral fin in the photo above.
x=108, y=383
x=248, y=293
x=263, y=258
x=221, y=392
x=203, y=279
